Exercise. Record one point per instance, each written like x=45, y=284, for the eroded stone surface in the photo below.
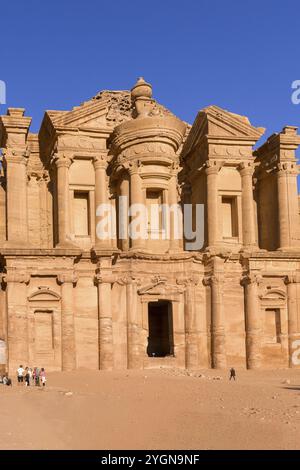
x=70, y=300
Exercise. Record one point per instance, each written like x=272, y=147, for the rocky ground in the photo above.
x=154, y=409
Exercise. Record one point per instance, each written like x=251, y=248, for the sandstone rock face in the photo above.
x=98, y=266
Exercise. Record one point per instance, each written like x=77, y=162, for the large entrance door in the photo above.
x=160, y=339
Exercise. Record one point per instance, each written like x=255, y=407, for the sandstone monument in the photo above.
x=71, y=299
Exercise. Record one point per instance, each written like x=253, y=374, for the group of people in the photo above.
x=29, y=376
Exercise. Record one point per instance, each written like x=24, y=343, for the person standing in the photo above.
x=30, y=375
x=27, y=377
x=37, y=377
x=43, y=376
x=20, y=374
x=232, y=374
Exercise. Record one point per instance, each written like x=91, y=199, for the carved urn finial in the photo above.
x=141, y=89
x=141, y=95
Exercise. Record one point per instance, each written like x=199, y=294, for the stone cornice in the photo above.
x=15, y=121
x=278, y=148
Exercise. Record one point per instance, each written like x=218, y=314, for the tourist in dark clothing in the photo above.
x=7, y=380
x=37, y=376
x=232, y=374
x=27, y=377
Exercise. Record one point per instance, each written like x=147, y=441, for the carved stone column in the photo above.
x=63, y=163
x=175, y=243
x=67, y=321
x=212, y=169
x=218, y=339
x=287, y=204
x=45, y=236
x=17, y=318
x=101, y=198
x=248, y=214
x=14, y=133
x=137, y=197
x=104, y=283
x=252, y=320
x=124, y=193
x=134, y=356
x=17, y=214
x=192, y=359
x=292, y=282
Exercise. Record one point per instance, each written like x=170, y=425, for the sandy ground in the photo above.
x=154, y=409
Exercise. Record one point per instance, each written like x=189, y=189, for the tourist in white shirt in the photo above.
x=20, y=374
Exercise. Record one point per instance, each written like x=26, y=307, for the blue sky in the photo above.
x=242, y=56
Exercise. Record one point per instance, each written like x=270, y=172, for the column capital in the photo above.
x=62, y=159
x=42, y=178
x=251, y=278
x=105, y=278
x=128, y=279
x=212, y=167
x=66, y=277
x=287, y=168
x=133, y=167
x=100, y=160
x=292, y=278
x=216, y=279
x=174, y=168
x=246, y=168
x=188, y=281
x=20, y=277
x=15, y=155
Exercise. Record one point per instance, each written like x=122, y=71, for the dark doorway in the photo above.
x=160, y=340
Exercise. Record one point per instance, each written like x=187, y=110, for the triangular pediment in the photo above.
x=220, y=123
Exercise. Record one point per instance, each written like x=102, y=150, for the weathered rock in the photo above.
x=76, y=295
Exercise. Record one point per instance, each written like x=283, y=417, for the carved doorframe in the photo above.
x=46, y=301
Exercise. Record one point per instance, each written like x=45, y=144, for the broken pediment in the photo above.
x=80, y=116
x=107, y=109
x=273, y=294
x=160, y=287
